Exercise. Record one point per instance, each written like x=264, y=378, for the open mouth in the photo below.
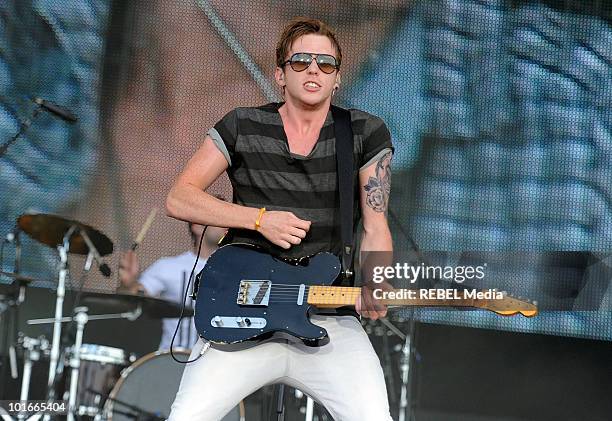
x=312, y=86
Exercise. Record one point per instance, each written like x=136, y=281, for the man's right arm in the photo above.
x=188, y=201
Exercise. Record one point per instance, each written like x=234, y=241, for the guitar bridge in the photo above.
x=254, y=293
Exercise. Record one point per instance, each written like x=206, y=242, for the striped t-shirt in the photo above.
x=264, y=173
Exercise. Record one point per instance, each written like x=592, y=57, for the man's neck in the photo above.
x=304, y=118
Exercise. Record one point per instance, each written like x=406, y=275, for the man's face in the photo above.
x=296, y=83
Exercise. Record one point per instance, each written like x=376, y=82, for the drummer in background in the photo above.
x=167, y=278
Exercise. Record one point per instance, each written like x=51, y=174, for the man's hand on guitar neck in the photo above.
x=367, y=305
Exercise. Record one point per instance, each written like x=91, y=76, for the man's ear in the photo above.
x=279, y=76
x=338, y=80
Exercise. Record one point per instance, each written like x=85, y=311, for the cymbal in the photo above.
x=155, y=308
x=17, y=277
x=50, y=230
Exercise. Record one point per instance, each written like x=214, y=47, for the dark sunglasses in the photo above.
x=301, y=61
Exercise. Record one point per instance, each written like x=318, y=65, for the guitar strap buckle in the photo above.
x=347, y=257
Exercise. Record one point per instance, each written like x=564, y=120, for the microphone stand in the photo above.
x=22, y=129
x=15, y=298
x=406, y=403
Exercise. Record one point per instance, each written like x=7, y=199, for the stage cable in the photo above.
x=185, y=293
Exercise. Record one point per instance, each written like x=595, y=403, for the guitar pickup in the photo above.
x=254, y=293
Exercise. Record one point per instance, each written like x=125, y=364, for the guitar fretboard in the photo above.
x=333, y=297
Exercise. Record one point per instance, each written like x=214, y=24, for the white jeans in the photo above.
x=345, y=375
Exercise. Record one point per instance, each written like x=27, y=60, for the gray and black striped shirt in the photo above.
x=264, y=173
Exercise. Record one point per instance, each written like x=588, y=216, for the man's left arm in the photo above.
x=376, y=242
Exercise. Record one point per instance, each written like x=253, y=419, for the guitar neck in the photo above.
x=334, y=297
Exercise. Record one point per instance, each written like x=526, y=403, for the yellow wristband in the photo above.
x=258, y=220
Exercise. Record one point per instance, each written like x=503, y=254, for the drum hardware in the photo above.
x=17, y=277
x=72, y=237
x=384, y=328
x=75, y=362
x=13, y=296
x=407, y=352
x=150, y=307
x=129, y=315
x=99, y=367
x=308, y=410
x=279, y=394
x=81, y=318
x=9, y=304
x=59, y=304
x=33, y=349
x=138, y=413
x=68, y=237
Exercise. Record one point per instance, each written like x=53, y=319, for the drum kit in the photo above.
x=97, y=382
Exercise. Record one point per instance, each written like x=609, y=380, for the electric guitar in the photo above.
x=246, y=296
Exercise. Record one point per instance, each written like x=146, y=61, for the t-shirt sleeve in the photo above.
x=224, y=135
x=151, y=280
x=376, y=141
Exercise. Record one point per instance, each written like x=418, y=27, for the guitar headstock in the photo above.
x=508, y=305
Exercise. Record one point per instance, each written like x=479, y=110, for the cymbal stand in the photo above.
x=32, y=351
x=75, y=360
x=280, y=402
x=13, y=301
x=309, y=408
x=59, y=303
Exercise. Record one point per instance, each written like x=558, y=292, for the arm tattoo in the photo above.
x=379, y=187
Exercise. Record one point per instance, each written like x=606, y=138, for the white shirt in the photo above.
x=167, y=278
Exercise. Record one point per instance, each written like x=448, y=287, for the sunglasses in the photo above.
x=301, y=61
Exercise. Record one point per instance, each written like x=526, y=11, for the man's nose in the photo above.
x=314, y=67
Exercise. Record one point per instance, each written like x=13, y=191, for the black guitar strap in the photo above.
x=346, y=183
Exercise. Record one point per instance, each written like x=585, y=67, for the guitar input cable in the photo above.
x=180, y=320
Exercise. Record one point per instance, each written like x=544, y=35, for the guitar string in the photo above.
x=286, y=293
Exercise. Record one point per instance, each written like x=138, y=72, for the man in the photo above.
x=281, y=157
x=168, y=277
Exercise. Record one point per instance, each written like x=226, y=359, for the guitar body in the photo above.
x=246, y=297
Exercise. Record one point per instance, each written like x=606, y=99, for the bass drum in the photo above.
x=150, y=384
